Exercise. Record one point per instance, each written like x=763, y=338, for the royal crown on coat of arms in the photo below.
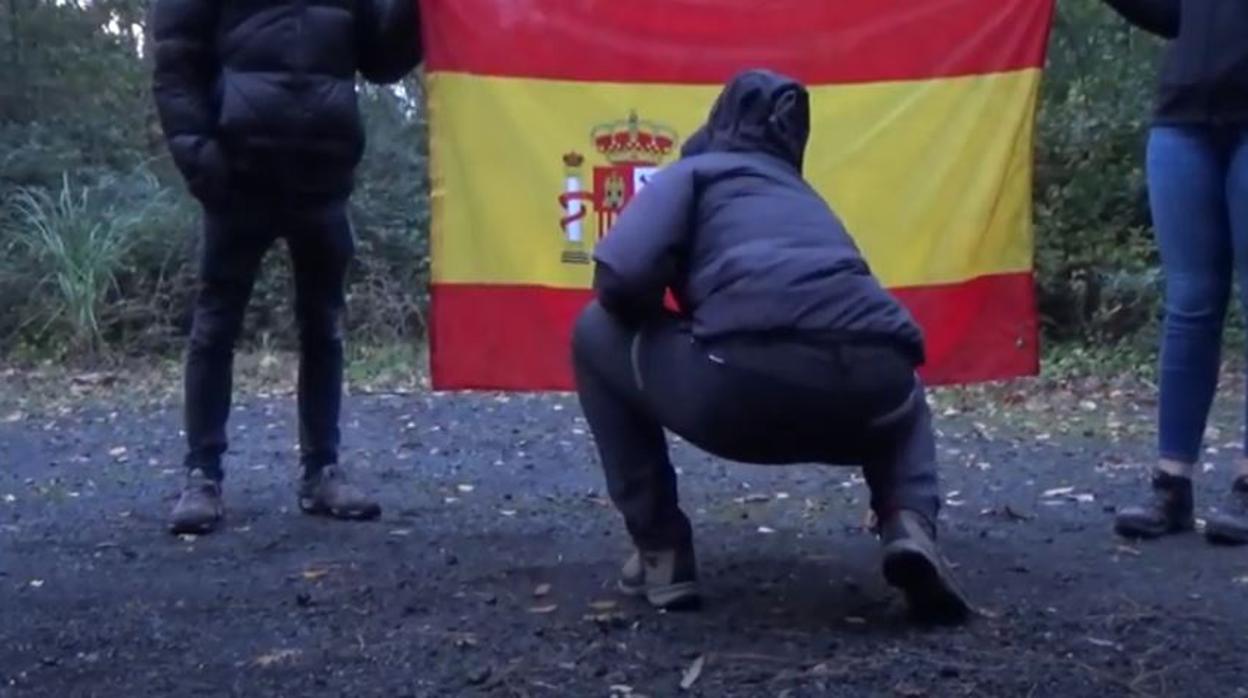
x=635, y=149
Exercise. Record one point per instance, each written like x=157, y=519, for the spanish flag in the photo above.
x=546, y=116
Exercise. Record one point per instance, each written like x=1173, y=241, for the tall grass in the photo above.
x=63, y=250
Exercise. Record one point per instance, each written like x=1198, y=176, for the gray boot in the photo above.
x=913, y=564
x=327, y=492
x=199, y=509
x=1229, y=525
x=668, y=579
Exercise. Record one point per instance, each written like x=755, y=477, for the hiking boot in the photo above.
x=199, y=509
x=668, y=579
x=1229, y=526
x=327, y=492
x=1169, y=510
x=913, y=564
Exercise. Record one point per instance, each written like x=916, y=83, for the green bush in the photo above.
x=1097, y=273
x=65, y=252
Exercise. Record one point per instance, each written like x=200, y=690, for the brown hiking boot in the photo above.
x=327, y=492
x=1229, y=526
x=913, y=564
x=199, y=509
x=1168, y=510
x=668, y=579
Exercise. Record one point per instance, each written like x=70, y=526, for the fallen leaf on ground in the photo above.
x=466, y=488
x=36, y=583
x=276, y=656
x=1102, y=643
x=541, y=590
x=1008, y=512
x=117, y=452
x=753, y=499
x=765, y=529
x=693, y=673
x=401, y=532
x=1058, y=491
x=94, y=378
x=909, y=690
x=607, y=605
x=314, y=574
x=543, y=610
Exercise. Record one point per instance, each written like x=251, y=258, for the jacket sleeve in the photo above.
x=1161, y=17
x=388, y=41
x=183, y=37
x=641, y=257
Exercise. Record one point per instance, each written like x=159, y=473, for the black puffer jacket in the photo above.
x=1204, y=80
x=744, y=243
x=259, y=95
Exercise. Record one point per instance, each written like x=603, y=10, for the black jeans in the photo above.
x=761, y=400
x=236, y=238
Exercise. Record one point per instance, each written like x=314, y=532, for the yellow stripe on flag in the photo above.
x=932, y=177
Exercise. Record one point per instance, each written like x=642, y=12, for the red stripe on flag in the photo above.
x=486, y=337
x=707, y=41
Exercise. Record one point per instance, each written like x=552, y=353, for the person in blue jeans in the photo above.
x=1198, y=189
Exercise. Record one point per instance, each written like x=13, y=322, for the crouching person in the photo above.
x=786, y=349
x=258, y=104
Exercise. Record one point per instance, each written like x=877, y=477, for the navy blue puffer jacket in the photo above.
x=745, y=244
x=259, y=95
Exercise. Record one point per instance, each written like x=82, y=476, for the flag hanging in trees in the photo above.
x=546, y=116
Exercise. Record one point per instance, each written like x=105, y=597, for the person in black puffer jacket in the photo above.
x=1198, y=191
x=257, y=101
x=785, y=350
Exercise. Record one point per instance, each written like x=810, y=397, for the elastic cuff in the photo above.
x=314, y=466
x=1188, y=459
x=675, y=534
x=212, y=471
x=926, y=507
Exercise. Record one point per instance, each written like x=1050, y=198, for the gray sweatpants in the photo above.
x=760, y=400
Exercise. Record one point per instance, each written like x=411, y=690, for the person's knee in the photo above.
x=1197, y=300
x=215, y=330
x=319, y=327
x=594, y=333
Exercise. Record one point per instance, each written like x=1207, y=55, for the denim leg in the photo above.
x=1237, y=207
x=233, y=248
x=1187, y=185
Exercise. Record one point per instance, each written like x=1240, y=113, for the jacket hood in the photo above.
x=758, y=111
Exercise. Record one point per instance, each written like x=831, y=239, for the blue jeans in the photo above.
x=1198, y=189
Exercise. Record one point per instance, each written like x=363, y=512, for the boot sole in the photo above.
x=931, y=594
x=1129, y=531
x=1217, y=535
x=195, y=529
x=684, y=596
x=311, y=508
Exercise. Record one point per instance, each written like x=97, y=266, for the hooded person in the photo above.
x=785, y=349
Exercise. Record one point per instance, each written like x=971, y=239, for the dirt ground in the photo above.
x=491, y=571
